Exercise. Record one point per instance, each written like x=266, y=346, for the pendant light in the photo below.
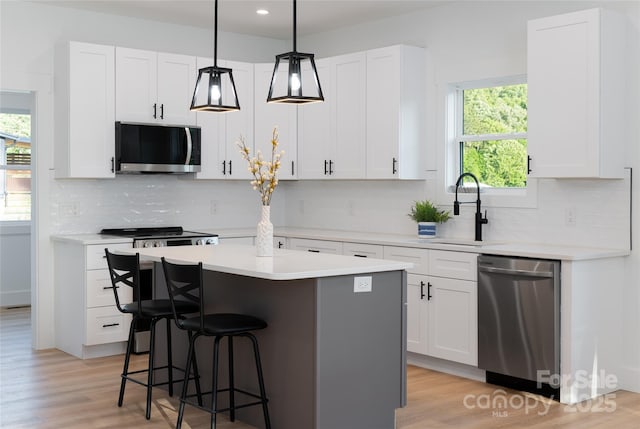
x=302, y=84
x=215, y=86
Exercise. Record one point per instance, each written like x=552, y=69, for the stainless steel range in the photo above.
x=163, y=236
x=156, y=237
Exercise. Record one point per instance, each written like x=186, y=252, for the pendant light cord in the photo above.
x=294, y=27
x=215, y=33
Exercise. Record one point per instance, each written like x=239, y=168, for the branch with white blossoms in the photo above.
x=265, y=173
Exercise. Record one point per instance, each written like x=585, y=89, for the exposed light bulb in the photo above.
x=295, y=82
x=215, y=93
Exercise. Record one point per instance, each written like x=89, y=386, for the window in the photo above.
x=15, y=167
x=491, y=133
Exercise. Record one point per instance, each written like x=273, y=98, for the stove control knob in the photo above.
x=157, y=244
x=200, y=242
x=210, y=241
x=148, y=244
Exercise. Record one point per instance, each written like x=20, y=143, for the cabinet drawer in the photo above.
x=106, y=325
x=95, y=257
x=317, y=246
x=363, y=250
x=100, y=293
x=419, y=257
x=456, y=265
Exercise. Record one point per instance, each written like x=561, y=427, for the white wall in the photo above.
x=28, y=34
x=469, y=41
x=466, y=41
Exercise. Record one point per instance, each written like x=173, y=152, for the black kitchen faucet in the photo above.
x=479, y=219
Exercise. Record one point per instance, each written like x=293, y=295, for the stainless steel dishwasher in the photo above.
x=519, y=322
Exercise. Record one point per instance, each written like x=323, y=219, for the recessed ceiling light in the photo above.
x=262, y=12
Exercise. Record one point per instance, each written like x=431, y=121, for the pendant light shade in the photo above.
x=295, y=77
x=215, y=88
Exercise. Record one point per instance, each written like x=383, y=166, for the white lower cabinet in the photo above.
x=361, y=250
x=88, y=323
x=441, y=303
x=316, y=246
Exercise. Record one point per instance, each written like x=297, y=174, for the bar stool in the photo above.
x=185, y=282
x=124, y=270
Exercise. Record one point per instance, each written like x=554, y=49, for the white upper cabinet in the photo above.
x=395, y=105
x=220, y=156
x=84, y=111
x=154, y=87
x=576, y=79
x=270, y=115
x=332, y=134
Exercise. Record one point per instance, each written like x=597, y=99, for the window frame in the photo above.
x=492, y=197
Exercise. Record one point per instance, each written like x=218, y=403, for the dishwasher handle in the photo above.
x=507, y=271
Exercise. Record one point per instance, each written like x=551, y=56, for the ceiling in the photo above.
x=239, y=16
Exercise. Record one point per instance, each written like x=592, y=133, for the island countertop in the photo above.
x=283, y=265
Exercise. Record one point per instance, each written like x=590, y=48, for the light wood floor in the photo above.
x=50, y=389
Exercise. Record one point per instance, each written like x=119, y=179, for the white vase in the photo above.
x=264, y=237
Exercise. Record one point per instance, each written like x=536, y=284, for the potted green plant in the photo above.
x=427, y=215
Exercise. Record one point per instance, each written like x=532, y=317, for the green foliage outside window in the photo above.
x=495, y=111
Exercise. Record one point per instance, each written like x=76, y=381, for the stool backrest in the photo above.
x=184, y=283
x=124, y=270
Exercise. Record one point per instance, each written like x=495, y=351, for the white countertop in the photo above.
x=530, y=250
x=283, y=265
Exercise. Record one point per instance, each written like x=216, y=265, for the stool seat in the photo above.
x=223, y=324
x=159, y=308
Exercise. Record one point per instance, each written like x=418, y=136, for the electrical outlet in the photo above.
x=350, y=208
x=570, y=216
x=214, y=207
x=68, y=209
x=362, y=284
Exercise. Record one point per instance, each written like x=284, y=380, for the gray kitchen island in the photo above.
x=334, y=351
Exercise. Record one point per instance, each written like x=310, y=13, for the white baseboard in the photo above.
x=15, y=298
x=448, y=367
x=629, y=379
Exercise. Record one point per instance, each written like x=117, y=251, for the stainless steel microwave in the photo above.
x=146, y=148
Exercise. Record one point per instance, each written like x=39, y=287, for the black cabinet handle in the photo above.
x=110, y=287
x=113, y=165
x=360, y=256
x=313, y=251
x=330, y=167
x=528, y=164
x=429, y=296
x=224, y=168
x=155, y=110
x=280, y=244
x=325, y=167
x=292, y=170
x=421, y=290
x=230, y=168
x=109, y=325
x=394, y=170
x=162, y=111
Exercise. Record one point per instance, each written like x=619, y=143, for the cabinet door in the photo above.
x=316, y=135
x=90, y=147
x=270, y=115
x=349, y=115
x=316, y=246
x=575, y=73
x=363, y=250
x=417, y=311
x=176, y=82
x=419, y=257
x=453, y=320
x=239, y=123
x=136, y=85
x=396, y=94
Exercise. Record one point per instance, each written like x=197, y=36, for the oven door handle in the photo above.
x=189, y=145
x=527, y=273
